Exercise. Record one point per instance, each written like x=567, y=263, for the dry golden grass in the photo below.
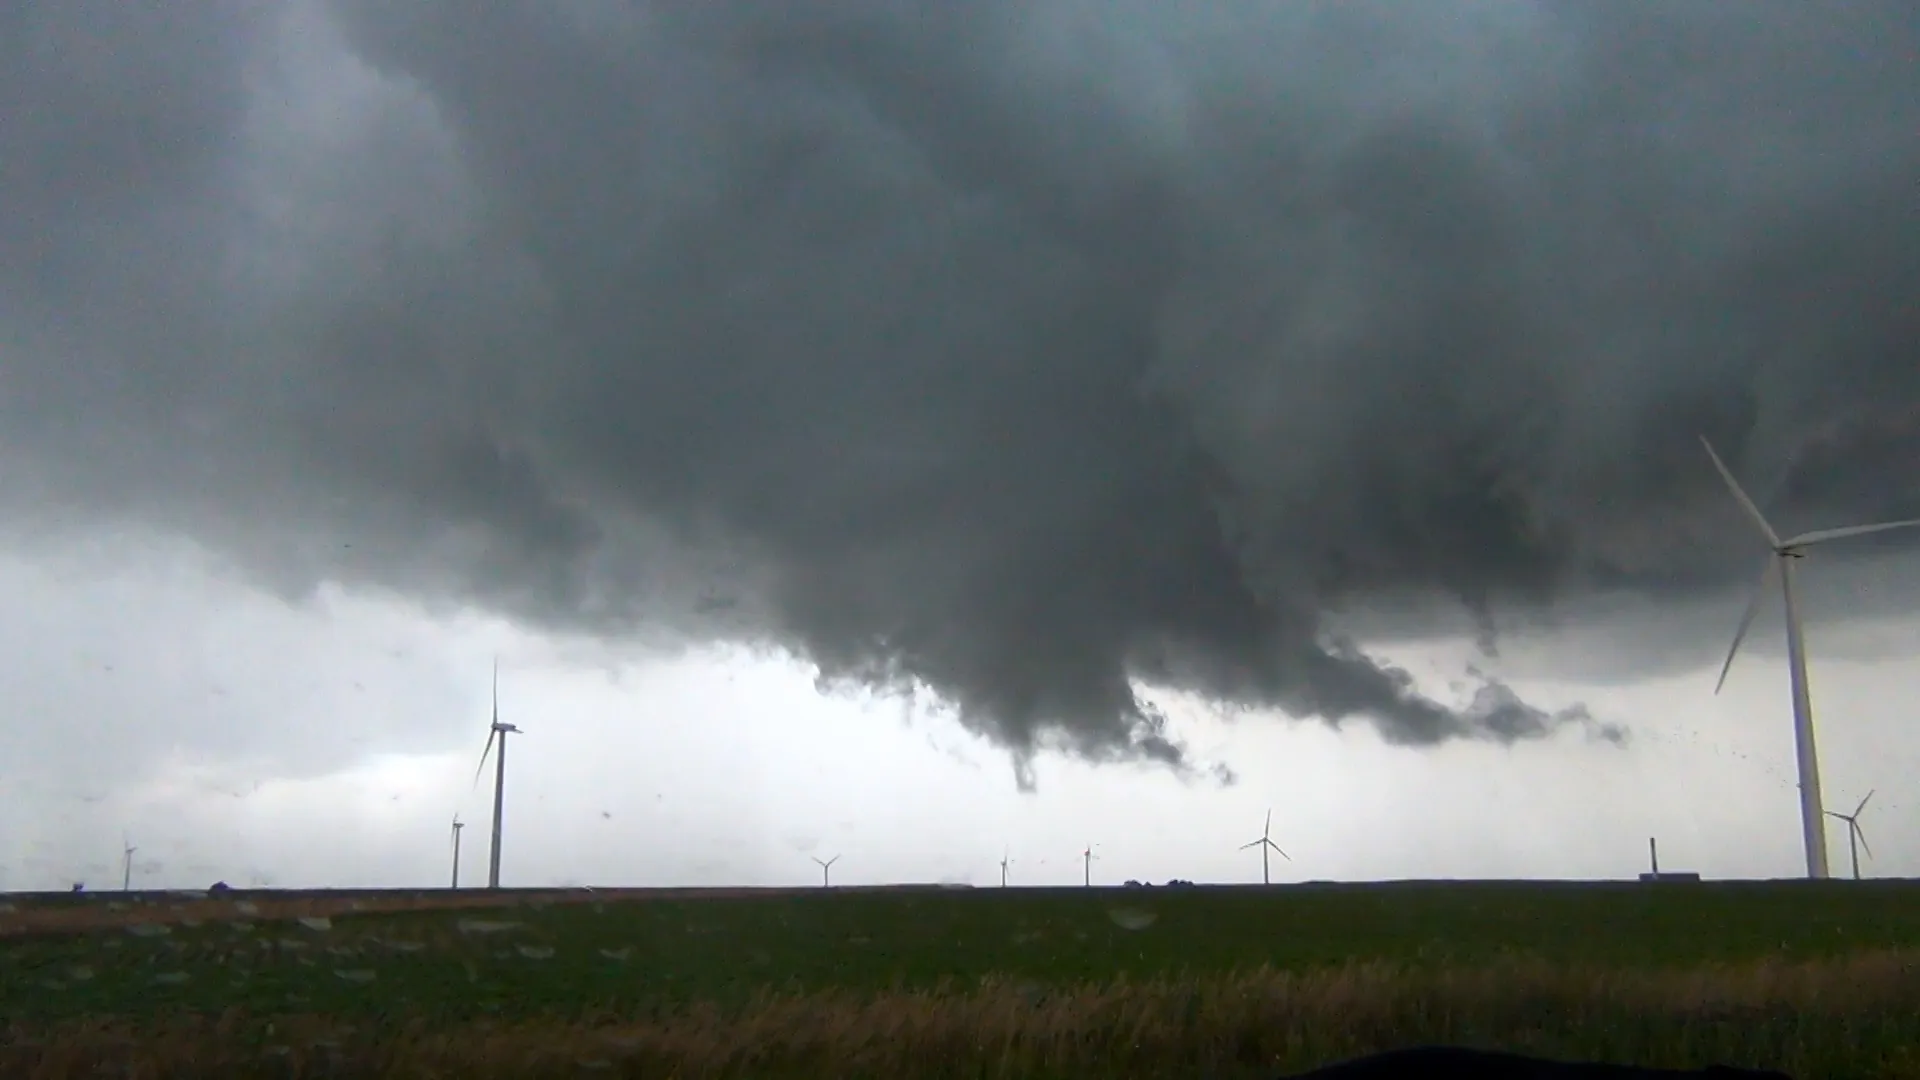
x=1857, y=1016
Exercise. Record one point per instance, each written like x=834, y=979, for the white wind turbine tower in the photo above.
x=1856, y=836
x=1266, y=845
x=457, y=826
x=1086, y=865
x=826, y=870
x=1780, y=561
x=498, y=731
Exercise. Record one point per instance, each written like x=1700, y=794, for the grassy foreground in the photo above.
x=1821, y=980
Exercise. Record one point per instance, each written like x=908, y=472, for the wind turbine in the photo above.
x=1856, y=836
x=457, y=826
x=1086, y=865
x=126, y=863
x=499, y=731
x=1266, y=844
x=1780, y=561
x=1004, y=863
x=826, y=871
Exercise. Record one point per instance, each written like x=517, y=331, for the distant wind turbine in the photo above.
x=498, y=731
x=457, y=826
x=1004, y=863
x=826, y=871
x=126, y=863
x=1780, y=561
x=1856, y=836
x=1266, y=845
x=1086, y=866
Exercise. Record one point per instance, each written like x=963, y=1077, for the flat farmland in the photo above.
x=832, y=982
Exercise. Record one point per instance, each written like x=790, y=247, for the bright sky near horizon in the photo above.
x=234, y=737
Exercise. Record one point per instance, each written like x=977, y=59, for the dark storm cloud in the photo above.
x=1016, y=349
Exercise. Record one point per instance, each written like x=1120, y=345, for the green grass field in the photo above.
x=1230, y=974
x=575, y=958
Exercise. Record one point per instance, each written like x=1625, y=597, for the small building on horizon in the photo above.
x=1656, y=874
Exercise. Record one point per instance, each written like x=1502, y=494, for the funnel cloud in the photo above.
x=1024, y=352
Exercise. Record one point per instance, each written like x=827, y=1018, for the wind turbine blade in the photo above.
x=1267, y=829
x=1253, y=843
x=1283, y=854
x=1862, y=835
x=496, y=689
x=1863, y=803
x=1821, y=536
x=1837, y=816
x=1766, y=530
x=478, y=769
x=1746, y=620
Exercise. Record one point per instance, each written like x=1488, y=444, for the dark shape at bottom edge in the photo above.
x=1459, y=1063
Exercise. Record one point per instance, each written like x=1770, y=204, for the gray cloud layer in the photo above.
x=1013, y=348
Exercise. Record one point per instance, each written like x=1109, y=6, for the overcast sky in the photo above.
x=914, y=432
